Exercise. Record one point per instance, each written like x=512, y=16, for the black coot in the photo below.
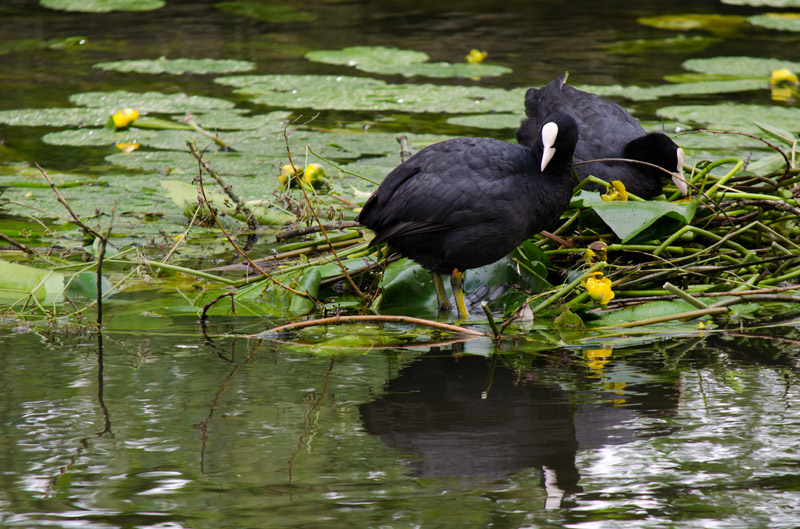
x=467, y=202
x=606, y=131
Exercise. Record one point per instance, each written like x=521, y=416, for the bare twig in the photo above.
x=373, y=318
x=405, y=153
x=212, y=303
x=296, y=232
x=25, y=248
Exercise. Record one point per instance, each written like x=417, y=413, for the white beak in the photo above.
x=549, y=134
x=677, y=176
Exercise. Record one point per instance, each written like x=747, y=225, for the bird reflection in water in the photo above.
x=467, y=416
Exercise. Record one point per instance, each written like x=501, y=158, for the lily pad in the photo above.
x=18, y=281
x=360, y=93
x=149, y=101
x=779, y=21
x=637, y=93
x=694, y=21
x=734, y=117
x=763, y=3
x=266, y=12
x=404, y=62
x=102, y=6
x=749, y=66
x=488, y=121
x=54, y=117
x=70, y=43
x=177, y=66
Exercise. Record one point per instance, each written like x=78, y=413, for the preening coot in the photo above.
x=467, y=202
x=606, y=130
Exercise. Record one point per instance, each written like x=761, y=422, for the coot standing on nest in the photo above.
x=467, y=202
x=606, y=131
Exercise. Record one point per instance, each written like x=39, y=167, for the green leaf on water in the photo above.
x=361, y=93
x=763, y=3
x=734, y=117
x=54, y=117
x=309, y=283
x=17, y=282
x=177, y=66
x=740, y=66
x=148, y=101
x=488, y=121
x=637, y=93
x=779, y=21
x=267, y=12
x=694, y=21
x=645, y=311
x=102, y=6
x=628, y=218
x=389, y=61
x=85, y=284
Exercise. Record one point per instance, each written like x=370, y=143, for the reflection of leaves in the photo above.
x=761, y=3
x=102, y=6
x=266, y=12
x=679, y=44
x=177, y=66
x=694, y=21
x=405, y=62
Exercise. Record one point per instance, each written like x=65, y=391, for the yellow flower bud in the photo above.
x=128, y=146
x=783, y=75
x=475, y=56
x=615, y=191
x=124, y=118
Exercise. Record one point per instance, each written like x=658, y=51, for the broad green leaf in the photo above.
x=779, y=21
x=637, y=93
x=103, y=6
x=230, y=119
x=488, y=121
x=148, y=101
x=763, y=3
x=17, y=282
x=733, y=117
x=779, y=134
x=54, y=117
x=177, y=66
x=361, y=93
x=85, y=284
x=390, y=61
x=645, y=311
x=309, y=283
x=707, y=140
x=268, y=12
x=766, y=165
x=695, y=77
x=627, y=218
x=185, y=197
x=694, y=21
x=749, y=66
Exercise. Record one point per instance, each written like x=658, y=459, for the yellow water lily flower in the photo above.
x=783, y=75
x=475, y=56
x=599, y=288
x=124, y=118
x=615, y=191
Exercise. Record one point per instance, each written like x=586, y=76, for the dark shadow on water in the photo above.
x=471, y=416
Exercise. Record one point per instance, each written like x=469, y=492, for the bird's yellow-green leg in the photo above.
x=457, y=282
x=441, y=295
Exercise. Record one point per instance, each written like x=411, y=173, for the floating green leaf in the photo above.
x=70, y=43
x=54, y=117
x=734, y=117
x=645, y=311
x=360, y=93
x=148, y=101
x=763, y=3
x=266, y=12
x=488, y=121
x=779, y=21
x=309, y=283
x=637, y=93
x=102, y=6
x=404, y=62
x=85, y=284
x=693, y=21
x=18, y=282
x=740, y=66
x=177, y=66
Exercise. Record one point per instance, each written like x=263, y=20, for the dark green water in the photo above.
x=161, y=427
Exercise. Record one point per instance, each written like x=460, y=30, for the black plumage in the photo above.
x=467, y=202
x=606, y=131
